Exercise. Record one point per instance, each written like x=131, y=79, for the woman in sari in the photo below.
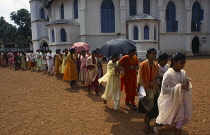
x=83, y=68
x=23, y=60
x=39, y=58
x=58, y=62
x=64, y=58
x=175, y=100
x=129, y=80
x=70, y=72
x=148, y=74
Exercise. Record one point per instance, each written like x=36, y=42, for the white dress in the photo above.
x=174, y=103
x=50, y=62
x=113, y=84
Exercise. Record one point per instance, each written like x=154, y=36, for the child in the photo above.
x=83, y=68
x=163, y=67
x=175, y=100
x=112, y=77
x=148, y=74
x=44, y=62
x=64, y=59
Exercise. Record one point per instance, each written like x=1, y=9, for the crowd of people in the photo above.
x=163, y=91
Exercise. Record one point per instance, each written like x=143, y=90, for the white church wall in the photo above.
x=56, y=12
x=93, y=19
x=98, y=41
x=35, y=7
x=172, y=43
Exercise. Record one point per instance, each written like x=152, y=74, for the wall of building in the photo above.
x=89, y=29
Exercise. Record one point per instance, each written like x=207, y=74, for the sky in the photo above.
x=8, y=6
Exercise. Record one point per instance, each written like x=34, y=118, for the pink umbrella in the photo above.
x=80, y=46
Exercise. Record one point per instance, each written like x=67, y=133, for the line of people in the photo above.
x=164, y=91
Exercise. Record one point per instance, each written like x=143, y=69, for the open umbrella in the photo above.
x=117, y=46
x=80, y=46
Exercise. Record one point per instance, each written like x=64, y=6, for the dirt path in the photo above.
x=35, y=103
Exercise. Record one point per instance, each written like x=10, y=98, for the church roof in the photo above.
x=142, y=17
x=64, y=21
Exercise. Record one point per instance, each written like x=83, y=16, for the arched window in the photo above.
x=146, y=33
x=146, y=6
x=171, y=23
x=42, y=13
x=135, y=33
x=132, y=7
x=155, y=33
x=53, y=35
x=107, y=16
x=62, y=11
x=75, y=9
x=63, y=35
x=197, y=16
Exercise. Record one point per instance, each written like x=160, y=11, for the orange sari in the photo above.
x=129, y=80
x=145, y=78
x=70, y=71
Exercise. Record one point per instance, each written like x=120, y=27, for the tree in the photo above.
x=8, y=32
x=22, y=19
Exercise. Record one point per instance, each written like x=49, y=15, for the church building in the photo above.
x=168, y=25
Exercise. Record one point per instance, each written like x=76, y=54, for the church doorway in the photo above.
x=44, y=47
x=195, y=45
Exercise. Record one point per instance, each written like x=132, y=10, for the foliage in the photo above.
x=8, y=32
x=22, y=19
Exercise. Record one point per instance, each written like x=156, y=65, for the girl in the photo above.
x=83, y=68
x=44, y=62
x=58, y=62
x=148, y=74
x=70, y=72
x=32, y=60
x=64, y=58
x=163, y=67
x=23, y=60
x=113, y=84
x=50, y=62
x=175, y=101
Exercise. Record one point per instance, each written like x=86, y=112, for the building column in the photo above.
x=151, y=31
x=130, y=35
x=82, y=17
x=163, y=20
x=123, y=19
x=205, y=23
x=188, y=20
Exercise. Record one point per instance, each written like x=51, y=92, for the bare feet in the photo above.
x=119, y=111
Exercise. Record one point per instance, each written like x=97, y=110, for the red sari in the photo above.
x=129, y=80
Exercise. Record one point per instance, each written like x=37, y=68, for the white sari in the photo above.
x=91, y=73
x=174, y=103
